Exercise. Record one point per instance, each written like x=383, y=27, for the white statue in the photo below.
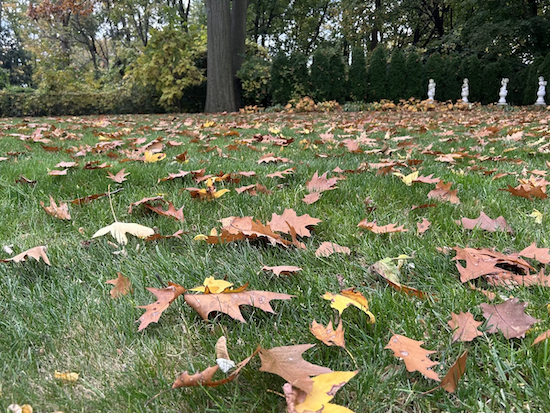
x=465, y=91
x=431, y=90
x=503, y=92
x=541, y=92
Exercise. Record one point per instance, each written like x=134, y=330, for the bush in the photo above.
x=434, y=70
x=321, y=76
x=377, y=75
x=255, y=76
x=358, y=75
x=397, y=80
x=289, y=77
x=415, y=77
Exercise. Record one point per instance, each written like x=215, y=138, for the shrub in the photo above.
x=415, y=76
x=397, y=80
x=321, y=76
x=377, y=75
x=358, y=75
x=255, y=75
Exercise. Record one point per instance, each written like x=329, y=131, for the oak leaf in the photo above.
x=540, y=254
x=119, y=229
x=464, y=326
x=171, y=212
x=172, y=176
x=486, y=223
x=281, y=223
x=327, y=334
x=328, y=248
x=509, y=317
x=288, y=363
x=37, y=253
x=384, y=229
x=414, y=356
x=61, y=211
x=321, y=183
x=282, y=269
x=349, y=297
x=120, y=177
x=443, y=192
x=312, y=197
x=324, y=388
x=423, y=226
x=229, y=302
x=165, y=297
x=122, y=286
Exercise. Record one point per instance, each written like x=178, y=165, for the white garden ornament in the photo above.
x=431, y=90
x=503, y=92
x=541, y=92
x=465, y=91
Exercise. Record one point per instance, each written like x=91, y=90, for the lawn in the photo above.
x=62, y=317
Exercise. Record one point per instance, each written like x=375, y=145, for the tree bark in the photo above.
x=220, y=93
x=238, y=43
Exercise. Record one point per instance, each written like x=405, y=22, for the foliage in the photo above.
x=321, y=75
x=357, y=78
x=289, y=77
x=169, y=62
x=397, y=76
x=255, y=75
x=377, y=75
x=414, y=85
x=433, y=69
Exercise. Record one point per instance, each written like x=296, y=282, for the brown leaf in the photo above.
x=464, y=326
x=311, y=198
x=65, y=164
x=172, y=176
x=170, y=212
x=119, y=177
x=165, y=297
x=508, y=317
x=36, y=253
x=540, y=254
x=23, y=180
x=229, y=302
x=321, y=183
x=281, y=223
x=451, y=379
x=156, y=237
x=414, y=356
x=122, y=286
x=384, y=229
x=327, y=334
x=61, y=211
x=407, y=290
x=236, y=228
x=55, y=172
x=90, y=198
x=423, y=226
x=143, y=201
x=542, y=337
x=486, y=223
x=281, y=269
x=287, y=362
x=269, y=157
x=443, y=192
x=328, y=248
x=281, y=174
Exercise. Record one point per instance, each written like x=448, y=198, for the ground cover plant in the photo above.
x=279, y=257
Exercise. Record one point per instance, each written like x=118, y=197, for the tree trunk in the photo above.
x=220, y=93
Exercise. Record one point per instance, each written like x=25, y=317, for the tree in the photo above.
x=377, y=75
x=358, y=75
x=415, y=76
x=226, y=31
x=397, y=76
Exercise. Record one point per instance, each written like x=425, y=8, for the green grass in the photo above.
x=63, y=318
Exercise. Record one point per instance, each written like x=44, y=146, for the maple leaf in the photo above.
x=324, y=388
x=464, y=326
x=120, y=177
x=414, y=356
x=37, y=253
x=165, y=297
x=327, y=334
x=529, y=188
x=170, y=212
x=384, y=229
x=61, y=211
x=281, y=174
x=236, y=228
x=287, y=362
x=281, y=223
x=443, y=192
x=509, y=317
x=423, y=226
x=119, y=229
x=328, y=248
x=349, y=297
x=172, y=176
x=229, y=302
x=486, y=223
x=321, y=183
x=122, y=286
x=282, y=269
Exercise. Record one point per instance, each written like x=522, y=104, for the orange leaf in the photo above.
x=327, y=334
x=122, y=286
x=450, y=381
x=61, y=211
x=542, y=337
x=170, y=212
x=464, y=326
x=414, y=356
x=36, y=253
x=165, y=296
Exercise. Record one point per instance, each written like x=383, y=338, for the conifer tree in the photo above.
x=415, y=76
x=358, y=75
x=377, y=75
x=531, y=83
x=320, y=76
x=337, y=82
x=434, y=70
x=281, y=87
x=397, y=79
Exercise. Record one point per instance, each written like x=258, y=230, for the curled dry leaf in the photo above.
x=165, y=297
x=327, y=334
x=384, y=229
x=287, y=362
x=36, y=253
x=122, y=286
x=119, y=229
x=349, y=297
x=61, y=211
x=282, y=269
x=414, y=356
x=328, y=248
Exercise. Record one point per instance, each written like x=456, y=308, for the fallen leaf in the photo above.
x=349, y=297
x=229, y=302
x=384, y=229
x=311, y=198
x=222, y=355
x=119, y=177
x=464, y=326
x=486, y=223
x=169, y=213
x=321, y=183
x=542, y=255
x=172, y=176
x=327, y=334
x=89, y=198
x=281, y=223
x=414, y=356
x=451, y=379
x=423, y=226
x=65, y=164
x=156, y=237
x=287, y=362
x=150, y=157
x=122, y=286
x=66, y=377
x=537, y=215
x=328, y=248
x=282, y=269
x=60, y=212
x=542, y=337
x=119, y=229
x=165, y=297
x=443, y=192
x=508, y=317
x=55, y=172
x=281, y=174
x=213, y=286
x=36, y=253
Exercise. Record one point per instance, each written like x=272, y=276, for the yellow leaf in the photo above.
x=274, y=131
x=537, y=215
x=119, y=229
x=219, y=193
x=153, y=157
x=200, y=237
x=214, y=286
x=68, y=377
x=407, y=180
x=340, y=303
x=324, y=388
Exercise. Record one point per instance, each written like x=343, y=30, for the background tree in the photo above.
x=397, y=80
x=415, y=76
x=377, y=75
x=358, y=75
